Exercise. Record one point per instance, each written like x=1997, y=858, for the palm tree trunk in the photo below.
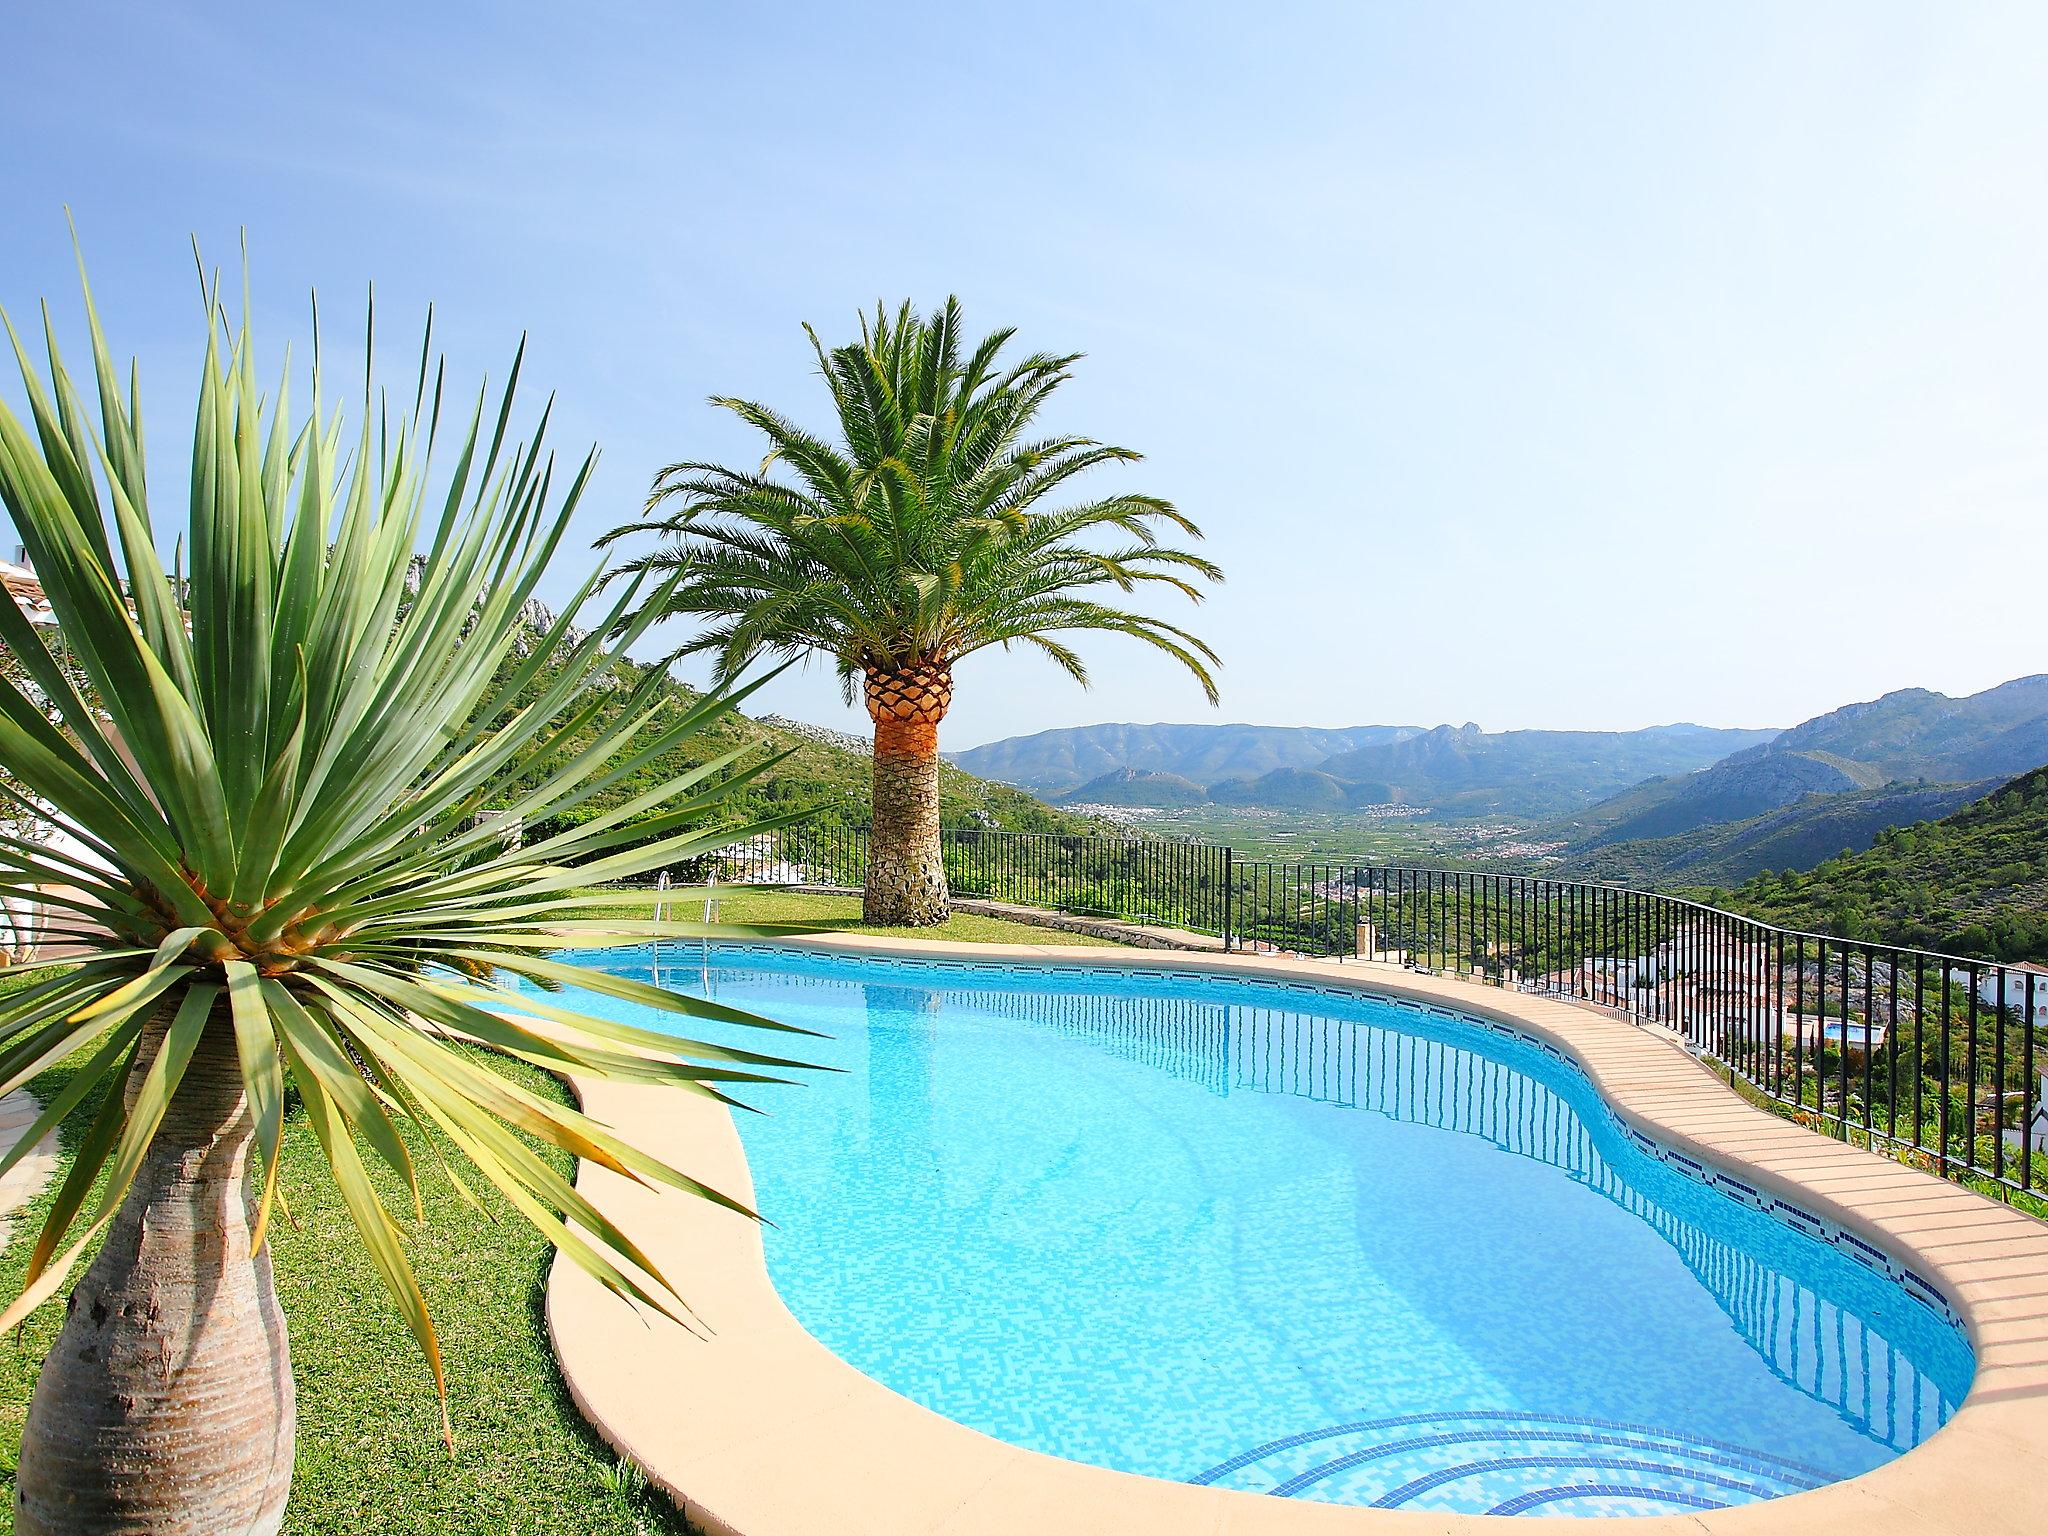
x=166, y=1403
x=906, y=877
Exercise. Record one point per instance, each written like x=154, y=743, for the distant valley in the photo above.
x=1450, y=770
x=1797, y=836
x=1674, y=805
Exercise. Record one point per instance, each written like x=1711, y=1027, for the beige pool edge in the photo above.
x=758, y=1430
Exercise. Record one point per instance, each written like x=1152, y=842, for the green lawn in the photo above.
x=370, y=1453
x=768, y=906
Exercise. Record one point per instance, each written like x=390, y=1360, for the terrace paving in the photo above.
x=759, y=1430
x=25, y=1180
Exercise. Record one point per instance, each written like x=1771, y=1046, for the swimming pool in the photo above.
x=1322, y=1245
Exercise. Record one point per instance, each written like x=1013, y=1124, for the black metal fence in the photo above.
x=1936, y=1057
x=1141, y=879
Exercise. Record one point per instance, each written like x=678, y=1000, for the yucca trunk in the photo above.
x=166, y=1404
x=906, y=878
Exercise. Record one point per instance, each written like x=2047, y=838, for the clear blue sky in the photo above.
x=1583, y=365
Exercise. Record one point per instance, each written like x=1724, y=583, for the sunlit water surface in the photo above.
x=1329, y=1248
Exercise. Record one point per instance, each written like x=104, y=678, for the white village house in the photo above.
x=21, y=584
x=2018, y=978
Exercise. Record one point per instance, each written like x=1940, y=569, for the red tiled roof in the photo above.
x=21, y=583
x=22, y=586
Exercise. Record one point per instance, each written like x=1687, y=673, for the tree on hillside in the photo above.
x=921, y=536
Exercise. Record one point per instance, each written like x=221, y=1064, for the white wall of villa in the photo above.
x=2017, y=978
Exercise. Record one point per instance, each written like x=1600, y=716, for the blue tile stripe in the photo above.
x=1394, y=1498
x=1548, y=1426
x=1536, y=1497
x=1691, y=1466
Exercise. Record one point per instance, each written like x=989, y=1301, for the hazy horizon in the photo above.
x=1651, y=725
x=1552, y=368
x=1354, y=725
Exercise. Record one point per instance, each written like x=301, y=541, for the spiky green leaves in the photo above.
x=276, y=787
x=925, y=532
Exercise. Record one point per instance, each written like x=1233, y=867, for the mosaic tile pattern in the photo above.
x=1511, y=1463
x=1295, y=1239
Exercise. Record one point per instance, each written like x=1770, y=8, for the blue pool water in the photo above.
x=1324, y=1247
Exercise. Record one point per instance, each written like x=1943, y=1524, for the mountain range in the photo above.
x=1827, y=784
x=1674, y=804
x=1453, y=769
x=1058, y=761
x=1974, y=882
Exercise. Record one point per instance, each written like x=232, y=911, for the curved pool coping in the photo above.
x=757, y=1429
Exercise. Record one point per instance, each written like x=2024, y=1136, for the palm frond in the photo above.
x=924, y=532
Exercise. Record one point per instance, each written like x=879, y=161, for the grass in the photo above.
x=736, y=905
x=369, y=1451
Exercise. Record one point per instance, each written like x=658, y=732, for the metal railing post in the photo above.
x=1229, y=898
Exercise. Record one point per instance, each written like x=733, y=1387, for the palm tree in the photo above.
x=276, y=769
x=921, y=537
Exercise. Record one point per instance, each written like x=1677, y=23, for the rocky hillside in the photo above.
x=1908, y=740
x=1917, y=734
x=1289, y=789
x=1974, y=882
x=1137, y=786
x=1728, y=792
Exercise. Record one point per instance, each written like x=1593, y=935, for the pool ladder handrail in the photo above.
x=711, y=910
x=660, y=909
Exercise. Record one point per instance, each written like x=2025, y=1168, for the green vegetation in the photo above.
x=281, y=763
x=1973, y=883
x=370, y=1452
x=1417, y=838
x=921, y=536
x=1898, y=1089
x=746, y=907
x=1796, y=836
x=822, y=773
